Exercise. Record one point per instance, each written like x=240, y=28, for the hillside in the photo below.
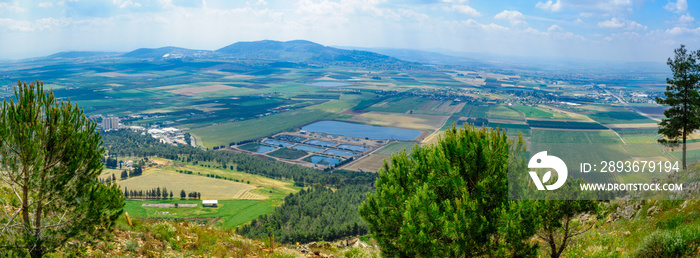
x=167, y=52
x=302, y=51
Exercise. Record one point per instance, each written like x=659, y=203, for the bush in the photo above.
x=671, y=243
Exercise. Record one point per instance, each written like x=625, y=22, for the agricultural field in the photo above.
x=396, y=147
x=209, y=187
x=370, y=163
x=619, y=117
x=229, y=213
x=241, y=196
x=576, y=147
x=410, y=121
x=638, y=135
x=227, y=133
x=504, y=112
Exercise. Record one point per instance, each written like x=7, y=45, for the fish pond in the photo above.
x=324, y=160
x=352, y=147
x=277, y=143
x=362, y=131
x=320, y=143
x=307, y=148
x=339, y=152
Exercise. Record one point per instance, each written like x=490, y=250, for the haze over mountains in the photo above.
x=296, y=51
x=302, y=52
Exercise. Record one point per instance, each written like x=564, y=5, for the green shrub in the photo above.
x=662, y=244
x=682, y=241
x=164, y=231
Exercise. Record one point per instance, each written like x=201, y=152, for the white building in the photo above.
x=210, y=203
x=110, y=123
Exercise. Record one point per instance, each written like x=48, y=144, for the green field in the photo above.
x=620, y=117
x=399, y=105
x=226, y=133
x=533, y=112
x=504, y=112
x=396, y=147
x=558, y=136
x=233, y=212
x=638, y=135
x=576, y=147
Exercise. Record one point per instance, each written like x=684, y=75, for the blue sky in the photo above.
x=613, y=30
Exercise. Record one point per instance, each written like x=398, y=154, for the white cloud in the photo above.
x=465, y=9
x=679, y=6
x=686, y=18
x=515, y=17
x=682, y=30
x=487, y=27
x=455, y=1
x=125, y=3
x=27, y=26
x=45, y=4
x=621, y=23
x=549, y=5
x=14, y=7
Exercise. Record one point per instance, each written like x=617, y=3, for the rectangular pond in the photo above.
x=340, y=152
x=277, y=143
x=290, y=138
x=324, y=160
x=320, y=143
x=265, y=148
x=362, y=131
x=352, y=147
x=307, y=148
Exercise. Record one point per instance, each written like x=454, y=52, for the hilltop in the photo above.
x=295, y=51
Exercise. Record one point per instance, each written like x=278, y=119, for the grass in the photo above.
x=209, y=187
x=398, y=105
x=503, y=112
x=223, y=134
x=279, y=188
x=233, y=212
x=691, y=155
x=396, y=147
x=619, y=117
x=576, y=147
x=638, y=135
x=533, y=112
x=287, y=153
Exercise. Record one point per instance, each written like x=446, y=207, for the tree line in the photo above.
x=316, y=214
x=157, y=193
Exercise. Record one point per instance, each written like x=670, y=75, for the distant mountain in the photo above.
x=427, y=57
x=293, y=52
x=81, y=54
x=167, y=53
x=302, y=51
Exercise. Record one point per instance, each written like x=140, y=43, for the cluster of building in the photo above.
x=168, y=135
x=110, y=123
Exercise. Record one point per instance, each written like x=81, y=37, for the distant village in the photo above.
x=167, y=135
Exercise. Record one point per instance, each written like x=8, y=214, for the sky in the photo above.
x=612, y=30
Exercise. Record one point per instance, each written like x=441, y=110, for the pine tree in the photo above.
x=183, y=194
x=51, y=157
x=450, y=199
x=683, y=116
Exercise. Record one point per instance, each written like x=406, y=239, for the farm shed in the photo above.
x=210, y=203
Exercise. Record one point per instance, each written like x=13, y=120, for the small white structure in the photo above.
x=210, y=203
